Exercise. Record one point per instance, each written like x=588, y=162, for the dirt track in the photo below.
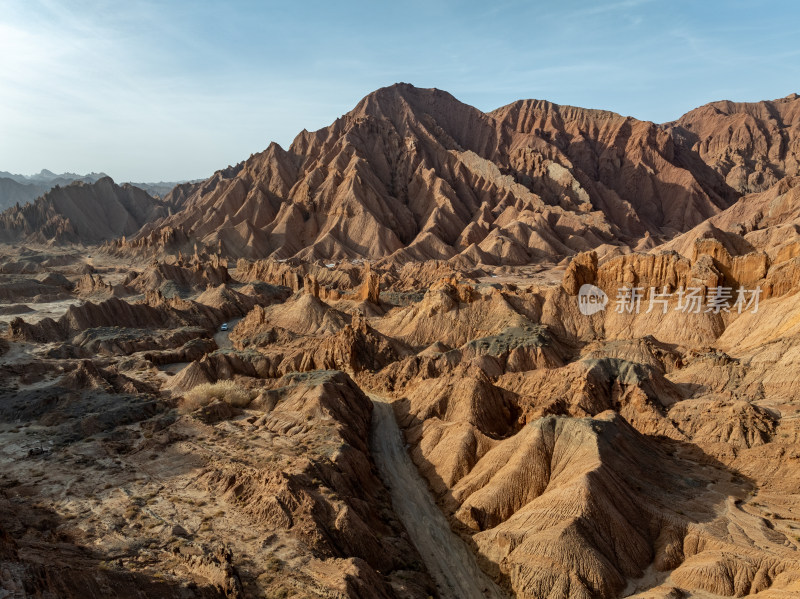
x=222, y=337
x=448, y=559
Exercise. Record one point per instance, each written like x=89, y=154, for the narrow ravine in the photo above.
x=447, y=557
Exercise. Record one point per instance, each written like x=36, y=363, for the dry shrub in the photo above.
x=228, y=391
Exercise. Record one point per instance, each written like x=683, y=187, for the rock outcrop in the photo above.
x=370, y=289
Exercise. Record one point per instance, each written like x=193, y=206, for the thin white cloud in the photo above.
x=74, y=87
x=601, y=8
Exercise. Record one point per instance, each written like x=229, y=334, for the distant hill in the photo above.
x=46, y=177
x=21, y=189
x=13, y=192
x=162, y=188
x=82, y=213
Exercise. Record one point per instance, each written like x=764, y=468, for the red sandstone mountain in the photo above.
x=415, y=174
x=753, y=145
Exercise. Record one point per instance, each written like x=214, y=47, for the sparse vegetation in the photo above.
x=228, y=391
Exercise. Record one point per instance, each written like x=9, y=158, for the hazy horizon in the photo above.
x=153, y=93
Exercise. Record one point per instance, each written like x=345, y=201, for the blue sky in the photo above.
x=151, y=91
